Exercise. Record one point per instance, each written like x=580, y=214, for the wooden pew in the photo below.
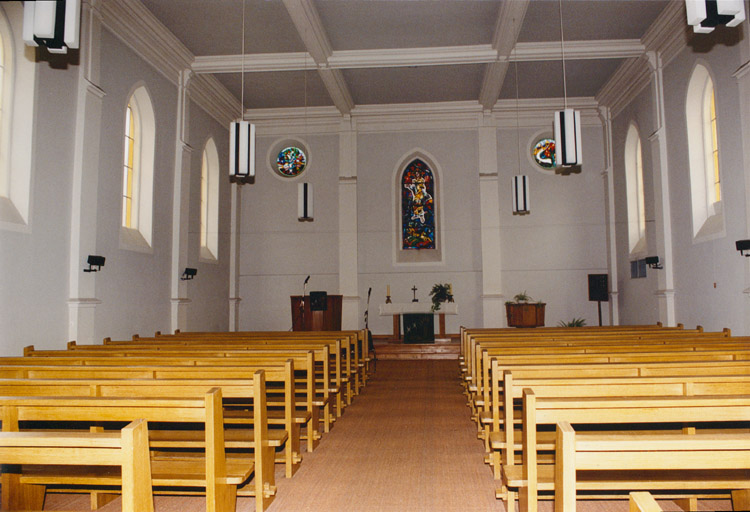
x=643, y=501
x=635, y=412
x=210, y=467
x=127, y=450
x=682, y=462
x=280, y=374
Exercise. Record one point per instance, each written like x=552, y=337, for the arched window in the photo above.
x=209, y=248
x=703, y=152
x=635, y=192
x=17, y=95
x=138, y=171
x=417, y=206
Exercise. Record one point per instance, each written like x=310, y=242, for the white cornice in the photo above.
x=624, y=85
x=578, y=50
x=310, y=28
x=436, y=56
x=670, y=33
x=540, y=112
x=132, y=23
x=253, y=63
x=208, y=93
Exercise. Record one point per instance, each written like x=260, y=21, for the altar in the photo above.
x=397, y=310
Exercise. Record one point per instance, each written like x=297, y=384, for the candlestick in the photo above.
x=388, y=290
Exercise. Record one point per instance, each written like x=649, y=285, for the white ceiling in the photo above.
x=376, y=52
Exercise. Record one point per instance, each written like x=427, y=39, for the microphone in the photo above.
x=306, y=280
x=368, y=293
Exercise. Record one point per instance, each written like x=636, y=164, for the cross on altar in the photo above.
x=415, y=299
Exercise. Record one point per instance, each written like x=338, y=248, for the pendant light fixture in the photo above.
x=54, y=24
x=567, y=124
x=242, y=133
x=704, y=15
x=305, y=189
x=520, y=187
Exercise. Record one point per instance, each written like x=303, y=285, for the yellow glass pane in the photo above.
x=715, y=149
x=204, y=202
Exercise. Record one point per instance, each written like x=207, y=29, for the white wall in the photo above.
x=550, y=252
x=708, y=280
x=34, y=262
x=277, y=251
x=455, y=157
x=209, y=291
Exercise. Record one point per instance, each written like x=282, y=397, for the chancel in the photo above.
x=178, y=139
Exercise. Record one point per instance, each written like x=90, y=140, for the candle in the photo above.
x=450, y=289
x=388, y=290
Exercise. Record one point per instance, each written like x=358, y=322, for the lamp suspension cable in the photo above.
x=562, y=51
x=242, y=67
x=518, y=133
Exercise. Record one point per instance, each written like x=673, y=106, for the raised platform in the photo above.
x=385, y=351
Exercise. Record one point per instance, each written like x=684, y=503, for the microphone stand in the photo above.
x=302, y=303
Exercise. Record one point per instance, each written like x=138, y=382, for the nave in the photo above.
x=406, y=444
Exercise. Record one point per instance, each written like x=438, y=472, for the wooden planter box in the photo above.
x=525, y=315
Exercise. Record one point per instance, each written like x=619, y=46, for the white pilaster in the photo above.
x=743, y=81
x=181, y=207
x=348, y=271
x=83, y=226
x=234, y=258
x=608, y=174
x=662, y=207
x=493, y=312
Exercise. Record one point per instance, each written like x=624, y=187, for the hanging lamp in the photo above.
x=242, y=133
x=520, y=183
x=704, y=15
x=54, y=24
x=567, y=123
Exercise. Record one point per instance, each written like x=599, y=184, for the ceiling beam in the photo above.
x=510, y=19
x=310, y=28
x=409, y=57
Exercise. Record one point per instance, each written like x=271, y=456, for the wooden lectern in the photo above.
x=327, y=320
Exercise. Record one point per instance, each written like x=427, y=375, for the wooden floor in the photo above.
x=406, y=444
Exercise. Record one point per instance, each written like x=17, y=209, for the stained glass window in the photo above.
x=417, y=207
x=544, y=153
x=291, y=162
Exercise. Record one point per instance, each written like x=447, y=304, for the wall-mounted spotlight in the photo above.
x=94, y=261
x=188, y=274
x=653, y=262
x=742, y=246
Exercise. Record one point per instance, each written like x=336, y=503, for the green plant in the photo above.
x=521, y=298
x=440, y=293
x=576, y=322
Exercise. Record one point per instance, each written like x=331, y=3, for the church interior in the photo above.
x=189, y=166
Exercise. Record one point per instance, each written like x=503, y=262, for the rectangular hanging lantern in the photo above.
x=305, y=201
x=521, y=203
x=52, y=23
x=568, y=138
x=241, y=151
x=704, y=15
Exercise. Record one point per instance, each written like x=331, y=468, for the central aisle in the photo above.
x=405, y=444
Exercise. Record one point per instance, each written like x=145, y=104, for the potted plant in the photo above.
x=576, y=322
x=523, y=312
x=440, y=293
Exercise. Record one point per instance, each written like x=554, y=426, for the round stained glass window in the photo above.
x=544, y=153
x=291, y=162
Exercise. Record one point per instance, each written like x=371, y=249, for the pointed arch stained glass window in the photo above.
x=417, y=206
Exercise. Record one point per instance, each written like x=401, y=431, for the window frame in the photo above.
x=636, y=194
x=209, y=202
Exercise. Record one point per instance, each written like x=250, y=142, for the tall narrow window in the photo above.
x=417, y=206
x=129, y=169
x=635, y=192
x=138, y=171
x=209, y=243
x=703, y=152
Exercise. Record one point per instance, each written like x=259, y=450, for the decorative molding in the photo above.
x=624, y=85
x=84, y=302
x=488, y=176
x=536, y=112
x=578, y=50
x=180, y=300
x=134, y=25
x=670, y=33
x=347, y=180
x=742, y=71
x=95, y=90
x=260, y=62
x=211, y=96
x=492, y=296
x=310, y=28
x=400, y=57
x=336, y=86
x=667, y=293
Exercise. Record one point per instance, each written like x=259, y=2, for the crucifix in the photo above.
x=415, y=299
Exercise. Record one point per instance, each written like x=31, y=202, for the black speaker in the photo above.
x=318, y=301
x=598, y=287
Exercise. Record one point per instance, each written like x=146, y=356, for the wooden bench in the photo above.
x=643, y=413
x=281, y=375
x=127, y=450
x=208, y=467
x=643, y=501
x=681, y=462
